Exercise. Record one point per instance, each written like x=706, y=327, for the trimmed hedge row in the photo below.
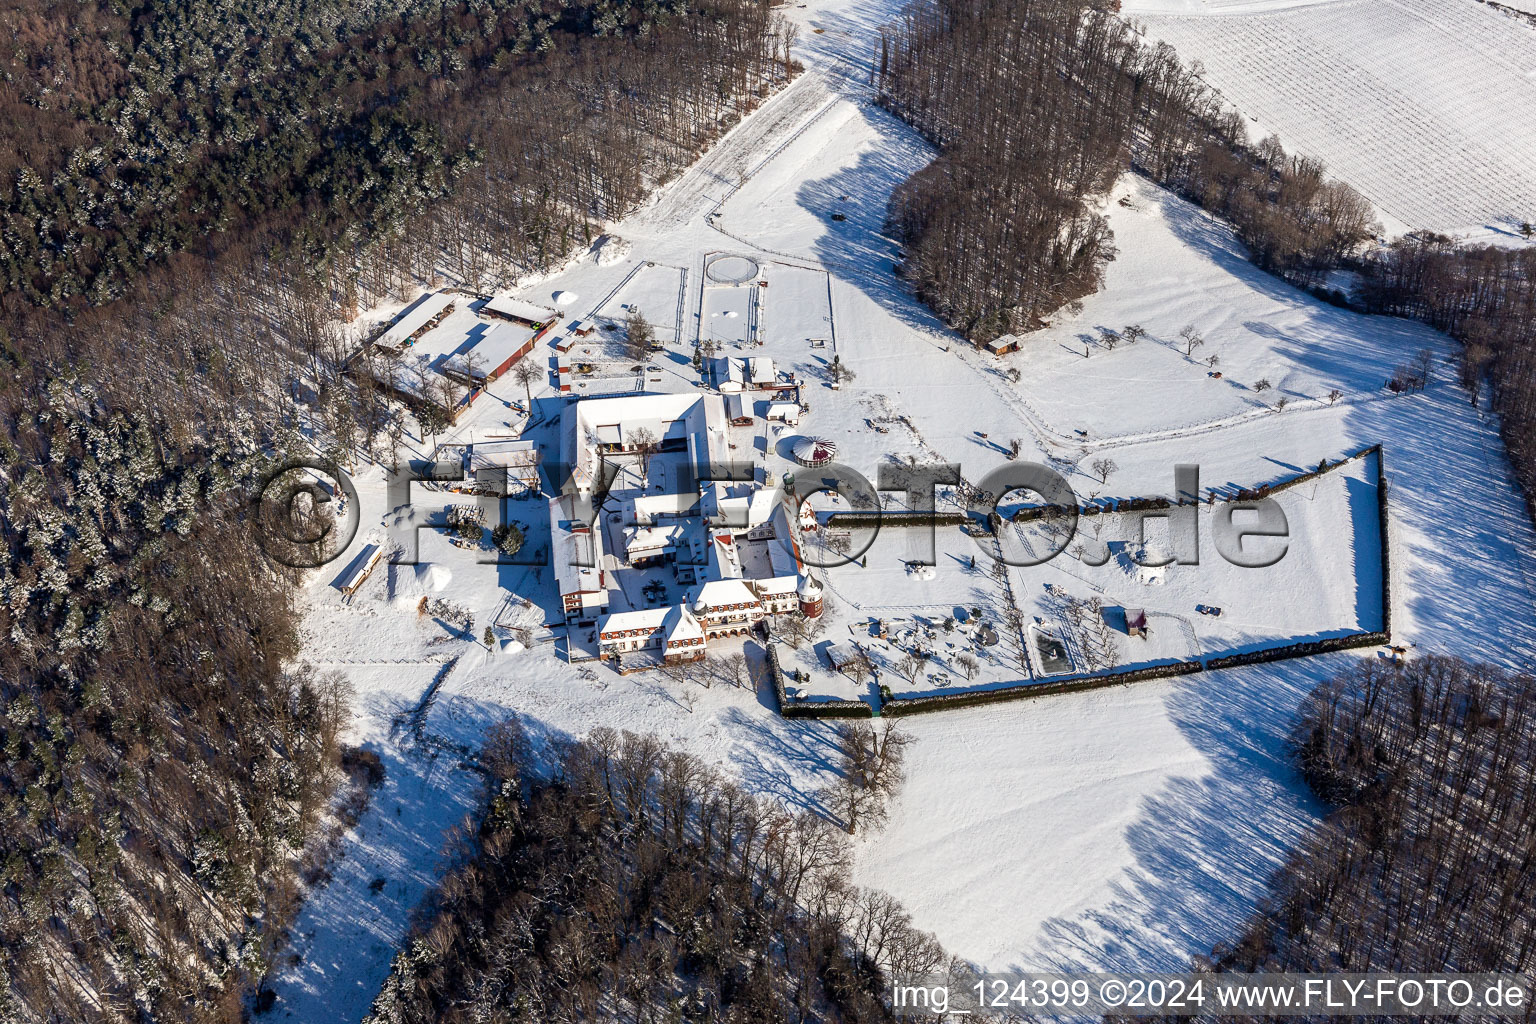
x=1301, y=650
x=898, y=519
x=1386, y=545
x=971, y=698
x=792, y=708
x=899, y=706
x=828, y=709
x=1077, y=684
x=779, y=696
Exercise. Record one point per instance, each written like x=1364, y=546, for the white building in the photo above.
x=674, y=631
x=601, y=427
x=577, y=548
x=732, y=544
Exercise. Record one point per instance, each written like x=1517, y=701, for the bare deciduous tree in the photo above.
x=527, y=374
x=871, y=769
x=1192, y=339
x=638, y=335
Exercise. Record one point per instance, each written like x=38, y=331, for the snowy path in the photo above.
x=702, y=186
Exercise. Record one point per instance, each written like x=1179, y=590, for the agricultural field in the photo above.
x=1399, y=97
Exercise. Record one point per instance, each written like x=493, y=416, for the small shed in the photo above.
x=784, y=412
x=737, y=411
x=1002, y=346
x=732, y=376
x=761, y=372
x=1136, y=622
x=843, y=656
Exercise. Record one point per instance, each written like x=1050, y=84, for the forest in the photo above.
x=195, y=196
x=133, y=133
x=164, y=765
x=1037, y=107
x=1425, y=864
x=630, y=881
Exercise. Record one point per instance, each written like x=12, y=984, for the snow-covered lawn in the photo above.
x=1425, y=106
x=656, y=292
x=350, y=926
x=1120, y=829
x=1180, y=268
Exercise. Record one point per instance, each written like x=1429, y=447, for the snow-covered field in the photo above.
x=656, y=292
x=1130, y=827
x=1422, y=105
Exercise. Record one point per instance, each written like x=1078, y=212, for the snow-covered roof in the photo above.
x=760, y=370
x=459, y=342
x=519, y=309
x=776, y=585
x=741, y=511
x=783, y=553
x=414, y=319
x=651, y=538
x=697, y=418
x=509, y=454
x=649, y=507
x=733, y=375
x=814, y=451
x=362, y=566
x=576, y=546
x=681, y=626
x=639, y=618
x=720, y=593
x=724, y=558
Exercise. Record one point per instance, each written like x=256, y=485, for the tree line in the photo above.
x=1485, y=297
x=163, y=766
x=1037, y=107
x=630, y=881
x=1426, y=862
